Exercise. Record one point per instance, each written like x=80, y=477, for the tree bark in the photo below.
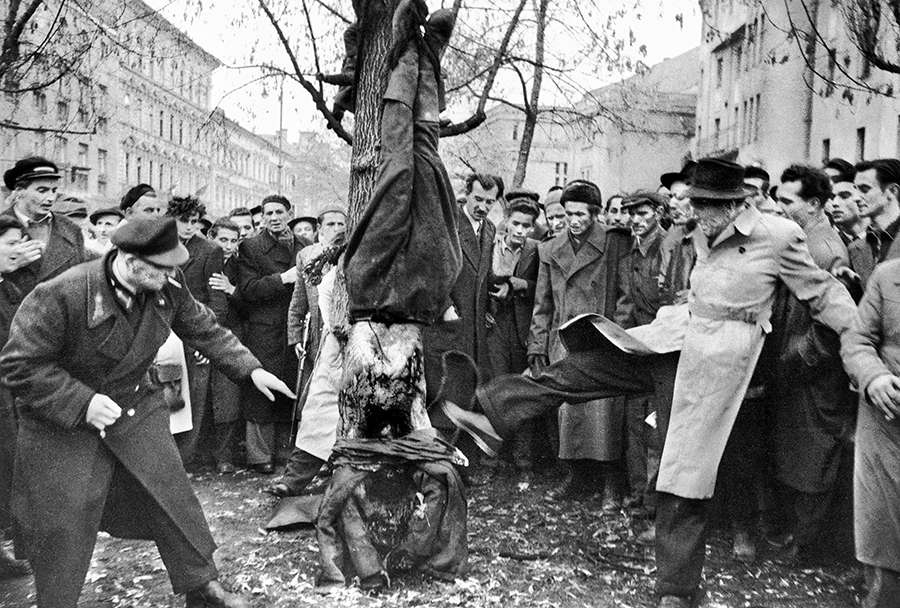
x=532, y=102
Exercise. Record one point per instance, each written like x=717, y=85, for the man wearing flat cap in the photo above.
x=744, y=257
x=94, y=447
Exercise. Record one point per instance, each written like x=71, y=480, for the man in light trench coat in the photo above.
x=729, y=304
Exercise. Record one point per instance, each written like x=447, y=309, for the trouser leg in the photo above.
x=681, y=525
x=811, y=510
x=198, y=381
x=636, y=443
x=224, y=440
x=260, y=442
x=884, y=588
x=61, y=551
x=510, y=400
x=300, y=469
x=7, y=457
x=741, y=464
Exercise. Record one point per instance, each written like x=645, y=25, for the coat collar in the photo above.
x=743, y=224
x=101, y=301
x=562, y=253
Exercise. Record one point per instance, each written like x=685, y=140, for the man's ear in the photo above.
x=894, y=189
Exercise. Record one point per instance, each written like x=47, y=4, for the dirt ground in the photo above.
x=524, y=551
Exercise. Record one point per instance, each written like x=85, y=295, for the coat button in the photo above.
x=137, y=388
x=130, y=412
x=742, y=249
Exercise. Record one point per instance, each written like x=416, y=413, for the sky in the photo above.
x=216, y=26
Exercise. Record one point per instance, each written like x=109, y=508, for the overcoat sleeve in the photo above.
x=256, y=286
x=218, y=300
x=196, y=325
x=859, y=348
x=539, y=340
x=29, y=362
x=624, y=316
x=298, y=309
x=829, y=301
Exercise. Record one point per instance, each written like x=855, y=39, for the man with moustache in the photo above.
x=266, y=277
x=878, y=183
x=744, y=256
x=94, y=447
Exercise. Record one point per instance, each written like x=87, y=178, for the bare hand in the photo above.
x=518, y=284
x=884, y=393
x=450, y=314
x=846, y=274
x=289, y=276
x=500, y=291
x=220, y=282
x=102, y=412
x=25, y=253
x=200, y=359
x=266, y=383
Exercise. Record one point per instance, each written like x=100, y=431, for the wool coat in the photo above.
x=224, y=393
x=815, y=407
x=261, y=260
x=570, y=284
x=872, y=350
x=469, y=296
x=70, y=340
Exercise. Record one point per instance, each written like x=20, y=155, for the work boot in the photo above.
x=674, y=601
x=744, y=547
x=213, y=595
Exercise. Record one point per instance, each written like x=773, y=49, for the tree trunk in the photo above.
x=532, y=107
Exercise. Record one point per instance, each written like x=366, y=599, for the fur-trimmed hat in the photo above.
x=581, y=191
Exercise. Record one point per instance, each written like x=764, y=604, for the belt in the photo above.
x=730, y=313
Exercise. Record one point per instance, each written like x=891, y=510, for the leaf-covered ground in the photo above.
x=524, y=551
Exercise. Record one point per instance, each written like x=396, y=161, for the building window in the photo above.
x=826, y=150
x=865, y=67
x=181, y=132
x=832, y=68
x=62, y=111
x=171, y=127
x=139, y=179
x=80, y=178
x=150, y=174
x=562, y=170
x=102, y=162
x=719, y=69
x=515, y=131
x=162, y=120
x=61, y=150
x=738, y=59
x=860, y=144
x=82, y=155
x=40, y=101
x=756, y=118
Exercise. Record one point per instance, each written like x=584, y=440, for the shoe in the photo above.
x=11, y=567
x=674, y=601
x=476, y=480
x=225, y=468
x=571, y=490
x=633, y=502
x=213, y=595
x=647, y=537
x=744, y=547
x=611, y=502
x=279, y=490
x=476, y=425
x=265, y=468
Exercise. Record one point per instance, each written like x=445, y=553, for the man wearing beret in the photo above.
x=746, y=255
x=266, y=277
x=141, y=201
x=94, y=447
x=576, y=276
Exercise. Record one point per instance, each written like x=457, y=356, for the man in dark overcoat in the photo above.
x=266, y=277
x=53, y=244
x=206, y=259
x=94, y=447
x=464, y=328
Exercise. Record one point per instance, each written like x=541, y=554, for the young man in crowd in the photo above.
x=514, y=269
x=204, y=260
x=305, y=227
x=844, y=208
x=878, y=183
x=105, y=221
x=555, y=214
x=244, y=220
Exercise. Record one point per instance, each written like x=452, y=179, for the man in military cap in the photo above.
x=744, y=257
x=94, y=425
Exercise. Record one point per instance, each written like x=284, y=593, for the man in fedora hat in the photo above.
x=94, y=446
x=743, y=258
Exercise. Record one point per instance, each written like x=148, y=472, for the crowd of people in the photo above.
x=779, y=400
